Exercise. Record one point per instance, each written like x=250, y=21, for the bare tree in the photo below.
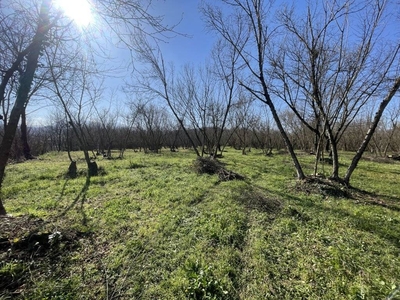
x=153, y=123
x=77, y=93
x=243, y=120
x=225, y=66
x=158, y=81
x=107, y=120
x=58, y=126
x=371, y=130
x=384, y=138
x=31, y=53
x=246, y=29
x=208, y=95
x=127, y=128
x=330, y=64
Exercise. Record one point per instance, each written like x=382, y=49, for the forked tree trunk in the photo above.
x=371, y=131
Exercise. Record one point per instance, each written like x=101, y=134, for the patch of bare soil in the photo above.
x=25, y=250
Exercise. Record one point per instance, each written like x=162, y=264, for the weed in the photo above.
x=203, y=284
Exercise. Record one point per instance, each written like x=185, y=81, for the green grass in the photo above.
x=150, y=227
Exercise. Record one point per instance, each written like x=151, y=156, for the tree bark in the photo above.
x=288, y=143
x=335, y=160
x=2, y=209
x=23, y=90
x=24, y=137
x=371, y=131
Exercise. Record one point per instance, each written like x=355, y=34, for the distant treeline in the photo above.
x=101, y=139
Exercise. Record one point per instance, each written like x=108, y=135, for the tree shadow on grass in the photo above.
x=366, y=224
x=361, y=221
x=260, y=199
x=63, y=190
x=81, y=197
x=37, y=252
x=328, y=188
x=365, y=197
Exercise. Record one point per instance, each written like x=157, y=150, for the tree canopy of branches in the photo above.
x=332, y=63
x=199, y=99
x=326, y=64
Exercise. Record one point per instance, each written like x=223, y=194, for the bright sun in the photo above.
x=78, y=10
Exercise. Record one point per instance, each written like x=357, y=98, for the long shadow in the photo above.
x=63, y=190
x=80, y=197
x=358, y=222
x=365, y=224
x=370, y=198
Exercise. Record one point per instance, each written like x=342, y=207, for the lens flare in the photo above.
x=78, y=10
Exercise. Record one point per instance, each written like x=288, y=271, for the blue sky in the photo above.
x=194, y=49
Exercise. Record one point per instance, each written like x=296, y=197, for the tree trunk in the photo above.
x=2, y=209
x=23, y=91
x=371, y=131
x=317, y=150
x=289, y=146
x=24, y=137
x=72, y=170
x=93, y=169
x=92, y=165
x=288, y=143
x=335, y=161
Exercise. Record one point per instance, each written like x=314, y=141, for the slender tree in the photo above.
x=32, y=53
x=330, y=64
x=248, y=31
x=158, y=80
x=383, y=104
x=77, y=92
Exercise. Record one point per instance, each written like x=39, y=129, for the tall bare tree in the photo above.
x=330, y=64
x=382, y=106
x=157, y=80
x=30, y=56
x=76, y=90
x=248, y=30
x=30, y=24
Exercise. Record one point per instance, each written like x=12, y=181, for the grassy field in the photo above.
x=150, y=227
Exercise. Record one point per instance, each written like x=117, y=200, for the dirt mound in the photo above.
x=323, y=186
x=327, y=187
x=212, y=166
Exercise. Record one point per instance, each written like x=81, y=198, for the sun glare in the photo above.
x=78, y=10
